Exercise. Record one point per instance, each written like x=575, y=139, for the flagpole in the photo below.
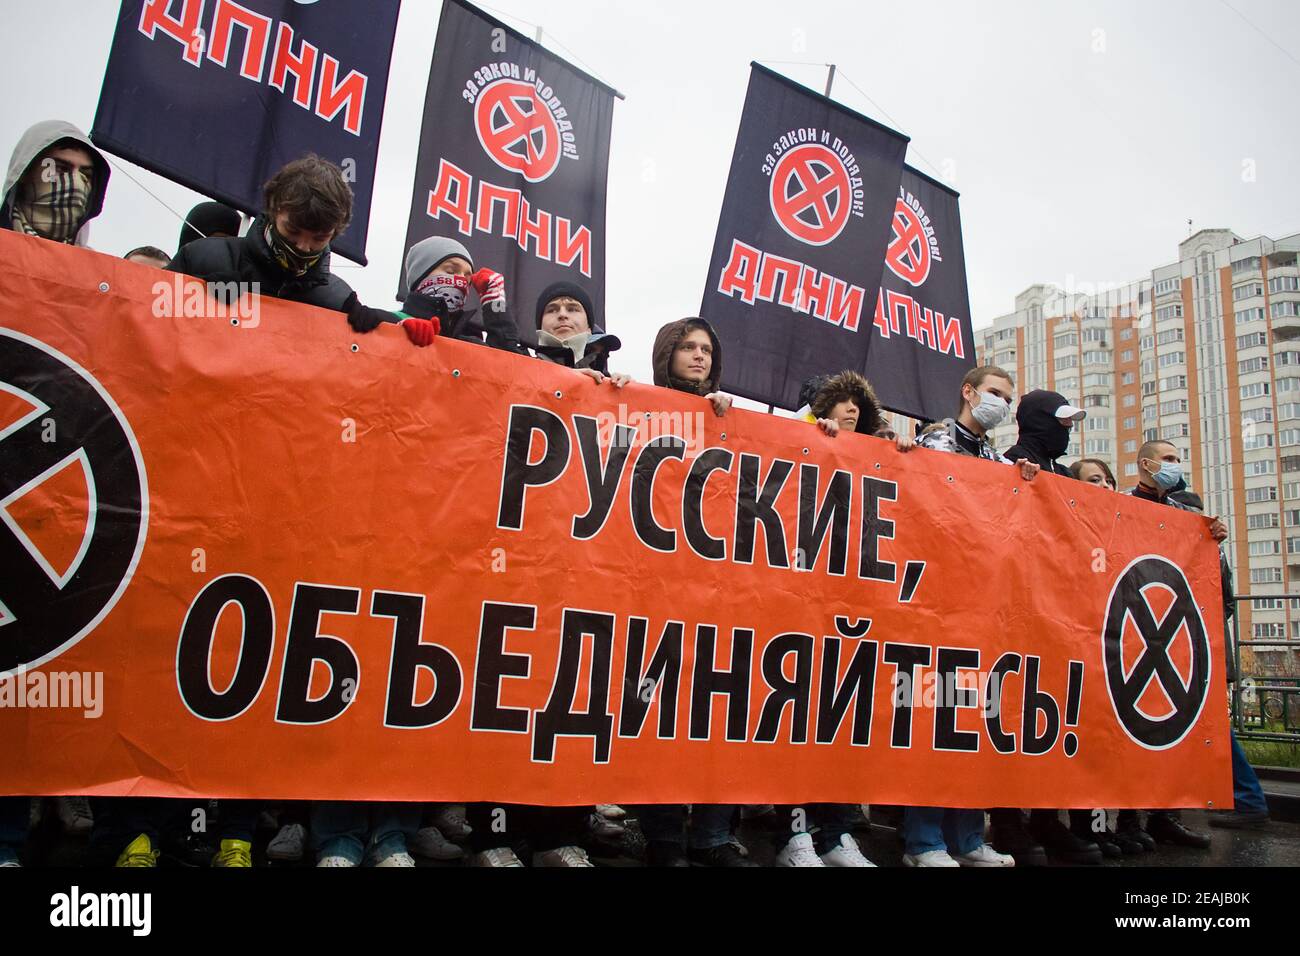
x=830, y=78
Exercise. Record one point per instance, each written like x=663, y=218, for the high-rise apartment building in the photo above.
x=1205, y=354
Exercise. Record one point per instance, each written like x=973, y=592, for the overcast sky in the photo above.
x=1082, y=135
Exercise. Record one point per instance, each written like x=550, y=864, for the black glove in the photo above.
x=364, y=319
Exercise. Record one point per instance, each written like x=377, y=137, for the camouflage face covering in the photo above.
x=56, y=208
x=290, y=259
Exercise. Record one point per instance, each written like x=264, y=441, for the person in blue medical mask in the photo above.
x=1161, y=479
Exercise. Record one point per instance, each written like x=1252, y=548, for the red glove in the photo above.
x=422, y=332
x=491, y=289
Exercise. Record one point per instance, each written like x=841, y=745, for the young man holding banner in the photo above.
x=286, y=253
x=938, y=837
x=440, y=273
x=687, y=358
x=1161, y=480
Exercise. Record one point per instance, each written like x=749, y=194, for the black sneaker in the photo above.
x=1167, y=828
x=1063, y=846
x=726, y=855
x=1010, y=836
x=1132, y=839
x=1239, y=819
x=1110, y=848
x=665, y=853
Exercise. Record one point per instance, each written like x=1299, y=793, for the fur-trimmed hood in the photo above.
x=845, y=386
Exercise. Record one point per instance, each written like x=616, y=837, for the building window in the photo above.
x=1259, y=364
x=1255, y=496
x=1258, y=390
x=1264, y=549
x=1253, y=341
x=1265, y=522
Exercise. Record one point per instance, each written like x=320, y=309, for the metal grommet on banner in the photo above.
x=1072, y=503
x=805, y=451
x=455, y=373
x=558, y=393
x=1162, y=527
x=724, y=436
x=234, y=323
x=877, y=466
x=104, y=287
x=1015, y=491
x=950, y=479
x=355, y=347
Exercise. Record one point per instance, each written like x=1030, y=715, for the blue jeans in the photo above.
x=666, y=822
x=935, y=828
x=353, y=822
x=1247, y=794
x=13, y=821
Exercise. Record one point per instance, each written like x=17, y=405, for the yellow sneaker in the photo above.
x=139, y=852
x=235, y=854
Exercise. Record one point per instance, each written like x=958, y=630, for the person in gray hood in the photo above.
x=55, y=184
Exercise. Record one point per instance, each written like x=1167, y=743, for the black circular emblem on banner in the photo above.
x=1130, y=601
x=44, y=612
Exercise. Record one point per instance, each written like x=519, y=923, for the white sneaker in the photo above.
x=848, y=853
x=985, y=856
x=432, y=845
x=932, y=858
x=450, y=821
x=395, y=860
x=289, y=844
x=336, y=862
x=565, y=856
x=610, y=811
x=75, y=815
x=799, y=852
x=500, y=857
x=602, y=826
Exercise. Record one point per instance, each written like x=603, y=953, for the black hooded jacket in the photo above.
x=1042, y=437
x=248, y=259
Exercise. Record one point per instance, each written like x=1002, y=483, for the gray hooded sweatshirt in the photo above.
x=36, y=141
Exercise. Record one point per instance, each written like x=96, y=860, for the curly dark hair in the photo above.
x=314, y=194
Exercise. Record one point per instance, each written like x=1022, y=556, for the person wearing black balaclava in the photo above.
x=209, y=220
x=1046, y=423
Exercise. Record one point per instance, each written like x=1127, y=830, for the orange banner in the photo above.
x=255, y=555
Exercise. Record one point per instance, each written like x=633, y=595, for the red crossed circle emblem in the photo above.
x=909, y=251
x=518, y=130
x=811, y=194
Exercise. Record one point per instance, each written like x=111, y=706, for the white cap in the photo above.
x=1071, y=413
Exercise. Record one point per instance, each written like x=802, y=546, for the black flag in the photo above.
x=217, y=96
x=514, y=158
x=805, y=223
x=922, y=346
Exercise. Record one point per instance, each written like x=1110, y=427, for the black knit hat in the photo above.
x=560, y=290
